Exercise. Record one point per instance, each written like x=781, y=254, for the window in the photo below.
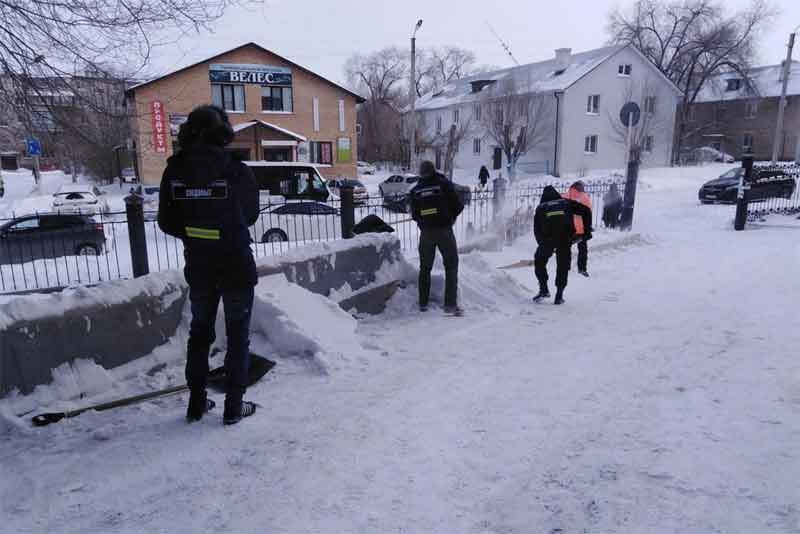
x=342, y=126
x=720, y=113
x=734, y=84
x=590, y=144
x=593, y=104
x=747, y=142
x=476, y=146
x=439, y=124
x=624, y=70
x=321, y=152
x=315, y=112
x=228, y=97
x=499, y=115
x=647, y=146
x=476, y=112
x=650, y=104
x=26, y=224
x=455, y=116
x=359, y=129
x=276, y=99
x=751, y=109
x=692, y=113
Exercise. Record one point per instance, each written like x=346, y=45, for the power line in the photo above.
x=502, y=43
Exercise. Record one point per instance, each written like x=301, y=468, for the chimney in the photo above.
x=563, y=58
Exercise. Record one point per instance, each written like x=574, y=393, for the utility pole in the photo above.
x=777, y=144
x=412, y=94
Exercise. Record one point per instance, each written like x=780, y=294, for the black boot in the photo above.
x=559, y=296
x=544, y=293
x=236, y=408
x=199, y=404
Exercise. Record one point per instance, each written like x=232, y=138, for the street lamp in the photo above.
x=413, y=96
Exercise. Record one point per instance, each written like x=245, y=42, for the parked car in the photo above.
x=79, y=198
x=297, y=221
x=33, y=237
x=2, y=187
x=709, y=154
x=128, y=176
x=366, y=168
x=360, y=194
x=764, y=184
x=397, y=185
x=290, y=180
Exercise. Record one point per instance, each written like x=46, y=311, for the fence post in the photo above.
x=348, y=215
x=499, y=197
x=626, y=220
x=741, y=197
x=134, y=209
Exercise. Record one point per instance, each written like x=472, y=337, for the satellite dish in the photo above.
x=630, y=112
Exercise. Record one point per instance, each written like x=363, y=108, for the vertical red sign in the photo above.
x=159, y=127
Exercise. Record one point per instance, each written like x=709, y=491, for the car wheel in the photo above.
x=87, y=249
x=274, y=236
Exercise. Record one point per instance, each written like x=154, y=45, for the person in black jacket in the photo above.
x=435, y=205
x=483, y=176
x=208, y=200
x=554, y=229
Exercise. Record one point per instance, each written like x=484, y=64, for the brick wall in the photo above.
x=182, y=91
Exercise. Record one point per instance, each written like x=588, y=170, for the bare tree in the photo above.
x=650, y=122
x=516, y=117
x=436, y=67
x=451, y=141
x=691, y=42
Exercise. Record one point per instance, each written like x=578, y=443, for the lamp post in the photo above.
x=412, y=90
x=777, y=143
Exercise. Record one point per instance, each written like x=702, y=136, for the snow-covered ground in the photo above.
x=662, y=398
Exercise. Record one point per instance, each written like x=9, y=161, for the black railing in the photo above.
x=776, y=190
x=28, y=262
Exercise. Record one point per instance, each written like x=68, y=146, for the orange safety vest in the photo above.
x=583, y=198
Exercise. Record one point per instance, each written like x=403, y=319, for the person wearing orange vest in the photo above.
x=577, y=192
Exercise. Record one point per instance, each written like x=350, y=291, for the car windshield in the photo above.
x=352, y=183
x=733, y=173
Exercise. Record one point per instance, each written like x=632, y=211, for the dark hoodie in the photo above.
x=435, y=202
x=209, y=200
x=553, y=222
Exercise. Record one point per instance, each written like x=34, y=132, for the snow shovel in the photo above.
x=518, y=265
x=259, y=366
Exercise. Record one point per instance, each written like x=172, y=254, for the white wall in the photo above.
x=613, y=89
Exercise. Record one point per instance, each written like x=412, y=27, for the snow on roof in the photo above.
x=540, y=76
x=245, y=125
x=766, y=82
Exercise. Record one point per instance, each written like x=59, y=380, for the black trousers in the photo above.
x=563, y=254
x=583, y=254
x=443, y=239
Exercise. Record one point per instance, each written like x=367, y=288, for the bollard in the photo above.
x=741, y=196
x=348, y=215
x=626, y=219
x=134, y=208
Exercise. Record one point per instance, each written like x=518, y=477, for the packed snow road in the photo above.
x=663, y=397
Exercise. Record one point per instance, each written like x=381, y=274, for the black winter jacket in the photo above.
x=435, y=202
x=553, y=222
x=209, y=200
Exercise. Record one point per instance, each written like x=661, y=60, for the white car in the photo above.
x=128, y=176
x=397, y=185
x=366, y=168
x=297, y=221
x=360, y=194
x=79, y=198
x=708, y=154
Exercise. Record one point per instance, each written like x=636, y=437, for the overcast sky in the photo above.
x=322, y=34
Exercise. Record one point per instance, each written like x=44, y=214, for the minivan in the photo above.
x=290, y=180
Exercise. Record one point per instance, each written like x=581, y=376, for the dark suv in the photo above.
x=34, y=237
x=764, y=184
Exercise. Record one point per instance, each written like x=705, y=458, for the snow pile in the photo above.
x=297, y=322
x=324, y=249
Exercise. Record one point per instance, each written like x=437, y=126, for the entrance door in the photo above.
x=278, y=154
x=497, y=158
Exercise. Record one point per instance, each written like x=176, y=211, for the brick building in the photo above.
x=280, y=111
x=735, y=115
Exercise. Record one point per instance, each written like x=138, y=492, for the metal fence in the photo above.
x=80, y=249
x=775, y=191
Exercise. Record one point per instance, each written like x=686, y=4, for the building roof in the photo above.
x=359, y=98
x=766, y=82
x=542, y=77
x=245, y=125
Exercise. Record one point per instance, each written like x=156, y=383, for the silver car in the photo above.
x=397, y=185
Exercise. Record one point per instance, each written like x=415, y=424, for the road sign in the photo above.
x=630, y=112
x=34, y=147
